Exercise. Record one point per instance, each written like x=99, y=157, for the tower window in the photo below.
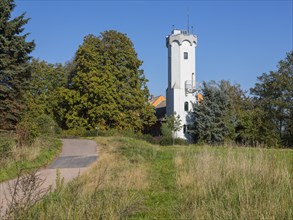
x=185, y=55
x=185, y=106
x=184, y=129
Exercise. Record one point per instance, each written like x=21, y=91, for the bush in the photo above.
x=165, y=141
x=26, y=132
x=130, y=133
x=79, y=132
x=109, y=133
x=5, y=149
x=30, y=128
x=151, y=139
x=168, y=141
x=166, y=131
x=180, y=141
x=115, y=132
x=46, y=125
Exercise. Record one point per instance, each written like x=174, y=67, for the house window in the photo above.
x=184, y=129
x=186, y=106
x=185, y=55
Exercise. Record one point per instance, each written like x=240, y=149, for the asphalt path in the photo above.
x=76, y=157
x=75, y=154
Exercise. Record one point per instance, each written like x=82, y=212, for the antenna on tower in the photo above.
x=188, y=20
x=191, y=29
x=173, y=27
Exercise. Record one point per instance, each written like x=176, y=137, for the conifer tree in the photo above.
x=211, y=116
x=14, y=65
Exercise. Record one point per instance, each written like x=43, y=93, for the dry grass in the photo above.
x=234, y=184
x=114, y=171
x=111, y=189
x=137, y=180
x=30, y=153
x=39, y=154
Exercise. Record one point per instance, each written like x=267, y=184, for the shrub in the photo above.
x=166, y=131
x=180, y=141
x=5, y=149
x=166, y=140
x=46, y=125
x=149, y=138
x=26, y=132
x=30, y=128
x=108, y=133
x=79, y=132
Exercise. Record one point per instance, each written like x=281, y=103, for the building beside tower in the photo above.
x=182, y=87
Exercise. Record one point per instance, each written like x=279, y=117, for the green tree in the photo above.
x=253, y=128
x=172, y=125
x=45, y=80
x=211, y=116
x=14, y=65
x=107, y=88
x=244, y=118
x=228, y=114
x=274, y=94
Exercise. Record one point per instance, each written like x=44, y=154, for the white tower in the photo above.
x=181, y=92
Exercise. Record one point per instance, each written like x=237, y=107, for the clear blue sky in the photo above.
x=237, y=40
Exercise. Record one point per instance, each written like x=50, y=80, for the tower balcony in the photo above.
x=189, y=86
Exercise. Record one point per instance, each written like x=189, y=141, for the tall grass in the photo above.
x=110, y=190
x=232, y=183
x=40, y=153
x=137, y=180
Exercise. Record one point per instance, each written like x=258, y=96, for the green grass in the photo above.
x=40, y=154
x=161, y=196
x=136, y=180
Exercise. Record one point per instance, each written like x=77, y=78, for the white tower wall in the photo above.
x=181, y=77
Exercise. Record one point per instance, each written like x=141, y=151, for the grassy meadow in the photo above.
x=137, y=180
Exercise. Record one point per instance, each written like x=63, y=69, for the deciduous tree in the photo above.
x=45, y=80
x=274, y=93
x=107, y=88
x=174, y=124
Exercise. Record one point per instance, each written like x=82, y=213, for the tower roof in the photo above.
x=180, y=36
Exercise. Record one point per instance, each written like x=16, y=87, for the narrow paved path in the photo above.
x=75, y=158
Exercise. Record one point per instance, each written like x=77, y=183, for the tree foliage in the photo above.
x=45, y=80
x=227, y=113
x=107, y=89
x=211, y=116
x=172, y=125
x=247, y=120
x=274, y=95
x=14, y=65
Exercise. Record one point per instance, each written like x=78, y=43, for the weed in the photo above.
x=23, y=192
